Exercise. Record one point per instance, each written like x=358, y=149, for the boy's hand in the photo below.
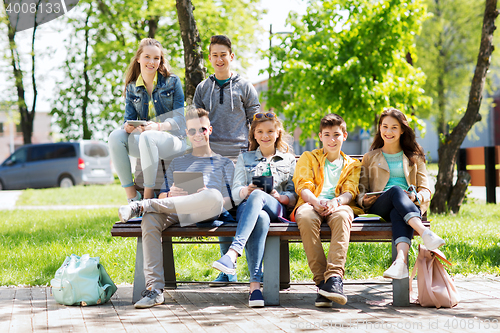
x=319, y=206
x=202, y=189
x=163, y=195
x=331, y=206
x=177, y=191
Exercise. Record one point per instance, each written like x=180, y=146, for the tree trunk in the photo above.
x=193, y=53
x=87, y=134
x=458, y=193
x=27, y=116
x=449, y=149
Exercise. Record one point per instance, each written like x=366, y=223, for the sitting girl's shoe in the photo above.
x=256, y=299
x=398, y=270
x=431, y=240
x=225, y=265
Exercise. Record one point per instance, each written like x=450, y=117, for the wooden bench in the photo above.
x=276, y=255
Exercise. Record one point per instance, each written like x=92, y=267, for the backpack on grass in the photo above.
x=82, y=281
x=435, y=287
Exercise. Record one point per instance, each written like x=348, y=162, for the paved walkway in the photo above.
x=197, y=308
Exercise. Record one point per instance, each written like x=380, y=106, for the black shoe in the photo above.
x=333, y=289
x=322, y=301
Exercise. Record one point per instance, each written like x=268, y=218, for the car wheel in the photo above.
x=65, y=182
x=1, y=186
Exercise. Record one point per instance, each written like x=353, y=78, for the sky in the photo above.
x=51, y=35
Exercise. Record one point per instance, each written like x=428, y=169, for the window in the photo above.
x=1, y=127
x=47, y=152
x=95, y=150
x=19, y=156
x=18, y=128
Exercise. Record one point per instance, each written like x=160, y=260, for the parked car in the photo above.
x=61, y=164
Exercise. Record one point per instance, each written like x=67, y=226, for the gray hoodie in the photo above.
x=231, y=109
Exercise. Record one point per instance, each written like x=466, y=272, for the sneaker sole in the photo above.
x=141, y=306
x=323, y=304
x=256, y=304
x=394, y=277
x=120, y=215
x=436, y=246
x=337, y=298
x=223, y=269
x=218, y=284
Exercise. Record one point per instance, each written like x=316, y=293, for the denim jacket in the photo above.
x=168, y=99
x=252, y=163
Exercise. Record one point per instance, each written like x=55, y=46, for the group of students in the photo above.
x=324, y=185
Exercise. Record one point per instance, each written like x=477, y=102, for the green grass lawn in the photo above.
x=77, y=195
x=34, y=243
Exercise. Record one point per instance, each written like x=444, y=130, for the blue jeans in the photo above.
x=150, y=146
x=254, y=216
x=394, y=205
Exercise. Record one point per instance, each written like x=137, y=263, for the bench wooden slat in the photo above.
x=360, y=231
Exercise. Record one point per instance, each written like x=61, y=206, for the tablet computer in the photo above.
x=374, y=193
x=136, y=123
x=190, y=182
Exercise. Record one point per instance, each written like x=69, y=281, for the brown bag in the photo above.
x=435, y=286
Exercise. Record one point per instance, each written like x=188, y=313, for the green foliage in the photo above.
x=114, y=30
x=447, y=49
x=348, y=57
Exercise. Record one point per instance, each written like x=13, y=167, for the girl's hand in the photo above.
x=129, y=128
x=151, y=126
x=275, y=194
x=250, y=188
x=369, y=200
x=412, y=196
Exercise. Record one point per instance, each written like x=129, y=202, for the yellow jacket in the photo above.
x=375, y=175
x=309, y=174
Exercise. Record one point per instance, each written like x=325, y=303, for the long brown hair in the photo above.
x=283, y=136
x=408, y=142
x=134, y=69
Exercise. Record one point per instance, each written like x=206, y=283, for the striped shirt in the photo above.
x=217, y=171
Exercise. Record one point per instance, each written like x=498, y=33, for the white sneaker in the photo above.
x=150, y=298
x=129, y=211
x=398, y=270
x=431, y=240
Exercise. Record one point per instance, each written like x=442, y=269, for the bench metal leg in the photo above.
x=272, y=271
x=284, y=265
x=400, y=287
x=168, y=263
x=139, y=279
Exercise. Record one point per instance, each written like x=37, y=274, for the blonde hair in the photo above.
x=134, y=68
x=280, y=143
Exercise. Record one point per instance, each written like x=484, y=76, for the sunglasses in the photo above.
x=192, y=131
x=260, y=115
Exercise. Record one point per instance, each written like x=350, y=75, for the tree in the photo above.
x=348, y=57
x=109, y=36
x=193, y=54
x=447, y=50
x=452, y=141
x=27, y=114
